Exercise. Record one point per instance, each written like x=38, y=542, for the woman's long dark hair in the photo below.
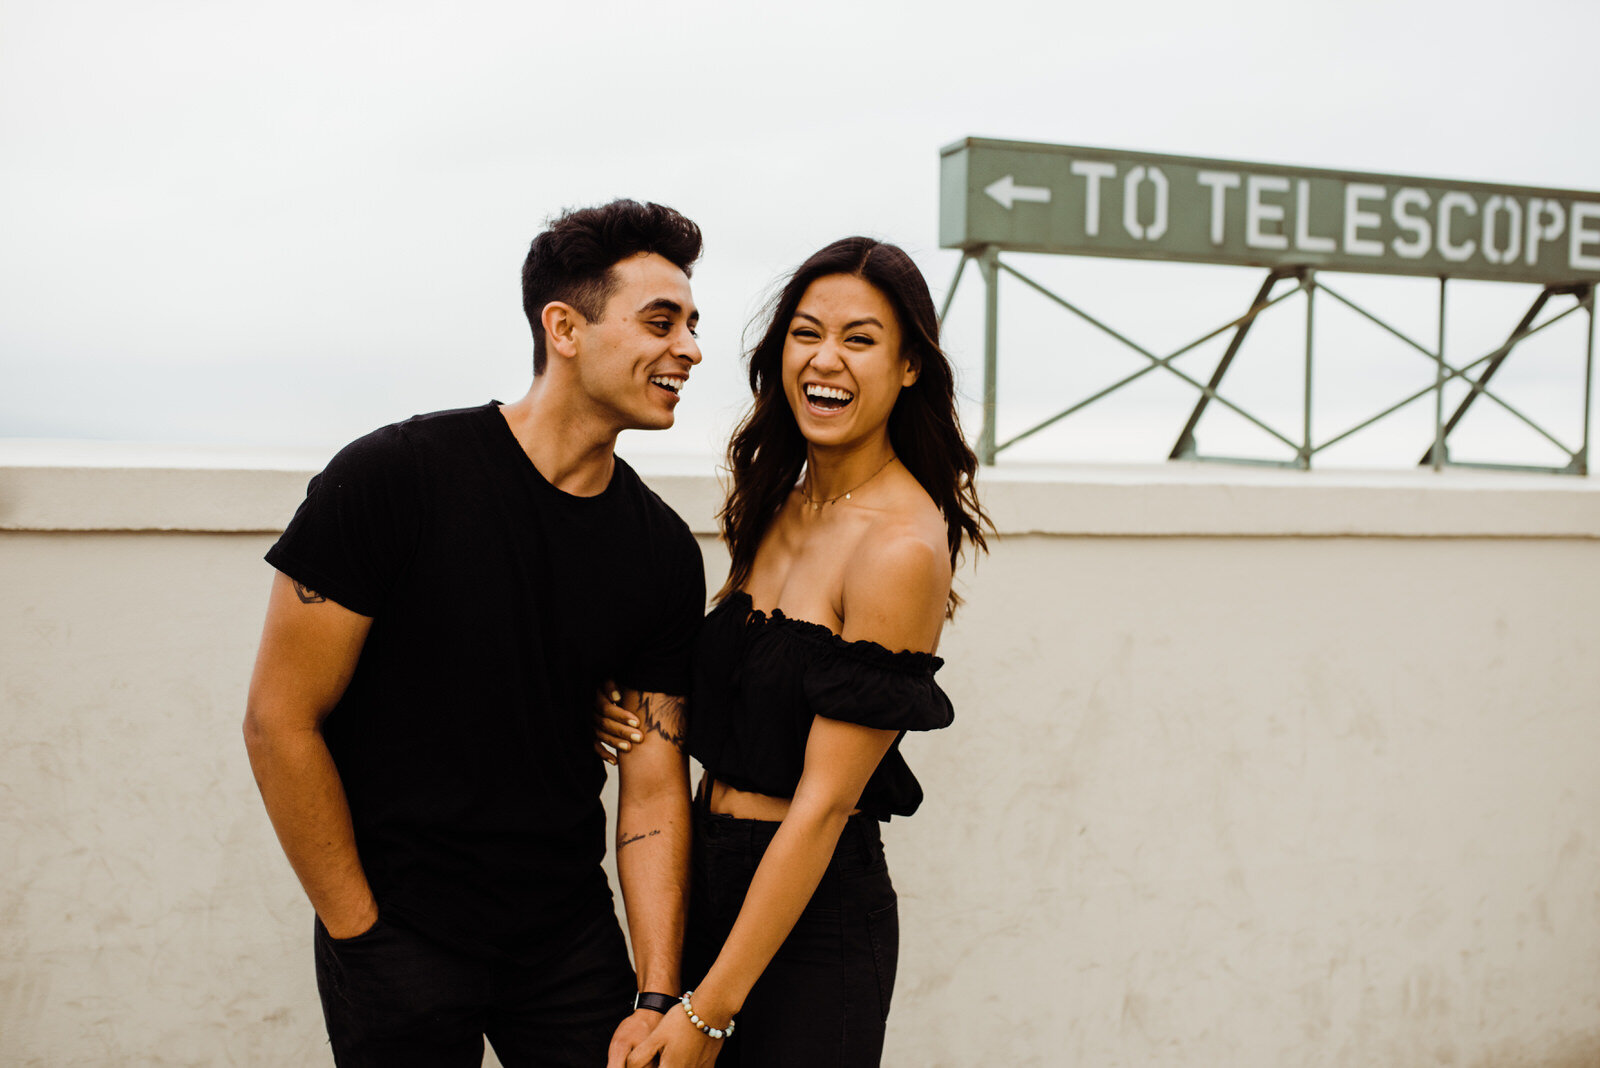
x=768, y=450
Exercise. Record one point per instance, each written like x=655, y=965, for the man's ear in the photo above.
x=561, y=322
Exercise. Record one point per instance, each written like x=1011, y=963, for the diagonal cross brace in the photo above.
x=1461, y=372
x=1496, y=358
x=1156, y=362
x=1185, y=443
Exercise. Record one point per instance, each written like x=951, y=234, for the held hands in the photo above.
x=628, y=1036
x=615, y=728
x=675, y=1043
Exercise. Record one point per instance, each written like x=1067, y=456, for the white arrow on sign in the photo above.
x=1006, y=191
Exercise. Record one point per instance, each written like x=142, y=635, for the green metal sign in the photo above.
x=1024, y=197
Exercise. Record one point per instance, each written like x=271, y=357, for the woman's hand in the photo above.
x=676, y=1043
x=615, y=728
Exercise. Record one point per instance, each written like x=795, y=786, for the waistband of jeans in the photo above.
x=860, y=831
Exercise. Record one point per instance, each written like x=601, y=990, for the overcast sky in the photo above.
x=288, y=223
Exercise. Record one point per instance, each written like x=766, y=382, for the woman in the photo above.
x=852, y=498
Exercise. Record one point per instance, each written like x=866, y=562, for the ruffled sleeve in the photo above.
x=862, y=682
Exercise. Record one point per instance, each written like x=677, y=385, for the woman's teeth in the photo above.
x=829, y=396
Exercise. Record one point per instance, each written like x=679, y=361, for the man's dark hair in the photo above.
x=572, y=260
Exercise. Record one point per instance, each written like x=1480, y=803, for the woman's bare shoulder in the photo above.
x=897, y=581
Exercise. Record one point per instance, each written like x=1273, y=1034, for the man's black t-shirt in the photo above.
x=499, y=603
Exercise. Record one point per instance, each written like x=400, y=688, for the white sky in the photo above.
x=288, y=223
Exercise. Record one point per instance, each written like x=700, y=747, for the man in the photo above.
x=449, y=596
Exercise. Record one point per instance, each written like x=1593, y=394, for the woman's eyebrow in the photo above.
x=851, y=325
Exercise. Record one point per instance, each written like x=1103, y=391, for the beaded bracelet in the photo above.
x=714, y=1032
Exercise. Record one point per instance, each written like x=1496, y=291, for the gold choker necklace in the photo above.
x=816, y=506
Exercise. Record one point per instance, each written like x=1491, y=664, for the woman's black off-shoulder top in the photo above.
x=759, y=680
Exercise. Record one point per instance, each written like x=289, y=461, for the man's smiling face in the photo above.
x=634, y=361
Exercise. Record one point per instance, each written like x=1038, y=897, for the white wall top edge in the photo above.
x=1170, y=500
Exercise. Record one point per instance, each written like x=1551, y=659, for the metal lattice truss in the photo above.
x=1476, y=375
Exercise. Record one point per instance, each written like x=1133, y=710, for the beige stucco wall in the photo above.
x=1249, y=768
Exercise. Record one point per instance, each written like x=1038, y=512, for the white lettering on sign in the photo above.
x=1496, y=206
x=1546, y=220
x=1092, y=171
x=1580, y=236
x=1355, y=220
x=1007, y=192
x=1219, y=182
x=1335, y=220
x=1417, y=226
x=1130, y=204
x=1257, y=212
x=1448, y=248
x=1303, y=238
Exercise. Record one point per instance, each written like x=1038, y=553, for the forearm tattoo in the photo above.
x=626, y=839
x=663, y=715
x=306, y=594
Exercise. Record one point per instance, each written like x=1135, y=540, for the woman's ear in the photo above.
x=913, y=369
x=561, y=322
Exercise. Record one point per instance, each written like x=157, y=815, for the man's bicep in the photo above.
x=659, y=661
x=664, y=717
x=308, y=653
x=660, y=760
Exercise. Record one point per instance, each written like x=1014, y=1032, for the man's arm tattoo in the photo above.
x=664, y=716
x=306, y=594
x=624, y=841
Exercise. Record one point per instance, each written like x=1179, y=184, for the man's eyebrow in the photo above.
x=666, y=304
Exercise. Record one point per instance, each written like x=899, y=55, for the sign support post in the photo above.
x=1310, y=281
x=989, y=266
x=1437, y=455
x=1588, y=384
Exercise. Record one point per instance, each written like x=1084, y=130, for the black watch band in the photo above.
x=654, y=1002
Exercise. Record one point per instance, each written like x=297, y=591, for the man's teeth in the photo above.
x=830, y=393
x=673, y=384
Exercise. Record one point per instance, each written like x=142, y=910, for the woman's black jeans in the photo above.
x=824, y=998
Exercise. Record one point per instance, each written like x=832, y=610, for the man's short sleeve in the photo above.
x=357, y=525
x=663, y=662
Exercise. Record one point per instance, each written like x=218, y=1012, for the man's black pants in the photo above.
x=392, y=998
